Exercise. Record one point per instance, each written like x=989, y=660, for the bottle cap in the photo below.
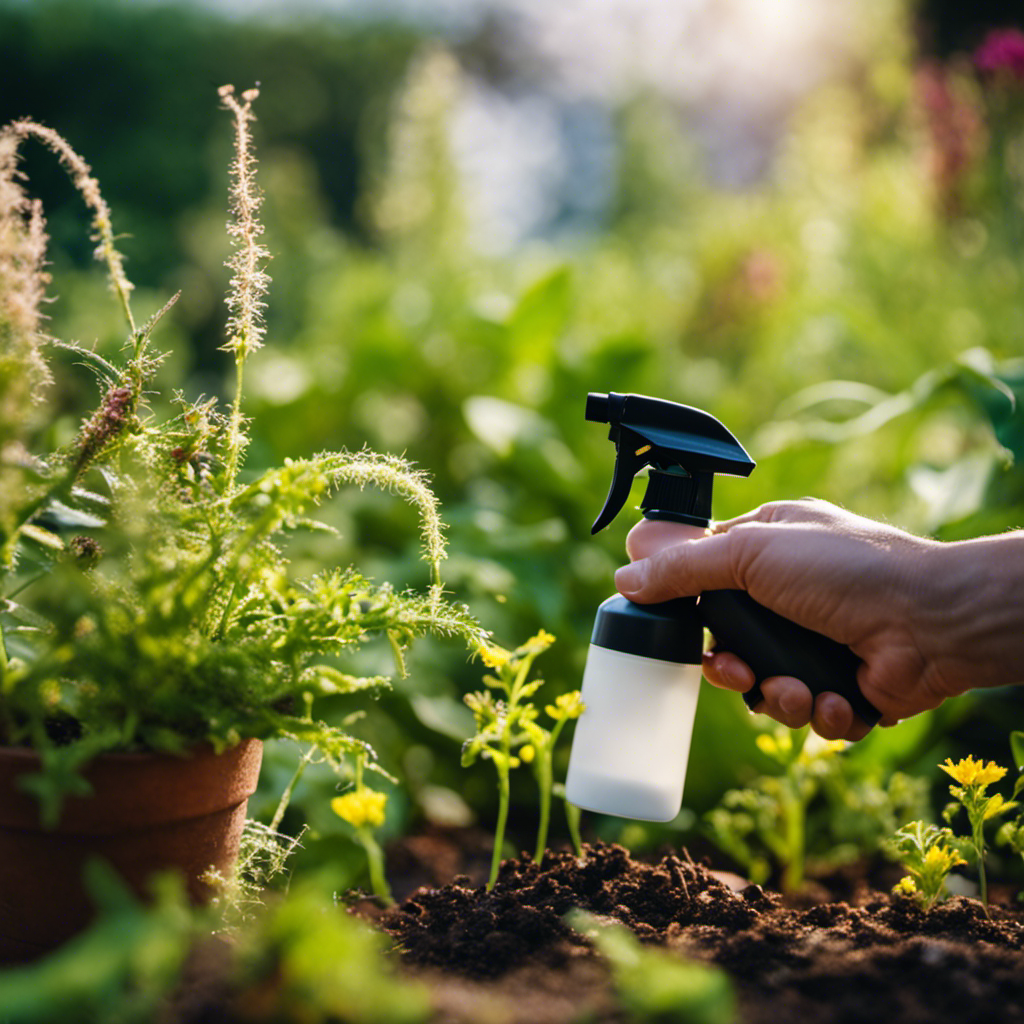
x=668, y=631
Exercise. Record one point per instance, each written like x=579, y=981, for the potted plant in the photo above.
x=151, y=634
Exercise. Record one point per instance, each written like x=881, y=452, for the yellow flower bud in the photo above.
x=527, y=753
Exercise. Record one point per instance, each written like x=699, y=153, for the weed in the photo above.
x=929, y=853
x=975, y=777
x=506, y=730
x=171, y=618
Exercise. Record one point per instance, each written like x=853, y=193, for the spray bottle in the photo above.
x=643, y=670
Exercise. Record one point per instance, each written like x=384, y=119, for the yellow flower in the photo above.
x=541, y=642
x=493, y=656
x=361, y=807
x=939, y=858
x=567, y=705
x=527, y=753
x=969, y=772
x=778, y=745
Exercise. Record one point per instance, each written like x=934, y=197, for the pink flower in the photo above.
x=1002, y=52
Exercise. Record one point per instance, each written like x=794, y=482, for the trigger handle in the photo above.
x=775, y=646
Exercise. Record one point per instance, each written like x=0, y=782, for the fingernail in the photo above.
x=630, y=578
x=732, y=676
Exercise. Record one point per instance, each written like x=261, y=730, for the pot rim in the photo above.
x=133, y=789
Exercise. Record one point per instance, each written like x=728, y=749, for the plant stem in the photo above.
x=572, y=818
x=286, y=796
x=544, y=785
x=793, y=873
x=545, y=774
x=499, y=829
x=375, y=862
x=235, y=436
x=979, y=848
x=5, y=714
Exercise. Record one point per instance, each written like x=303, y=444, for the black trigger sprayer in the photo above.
x=643, y=672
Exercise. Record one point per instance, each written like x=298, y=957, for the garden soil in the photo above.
x=508, y=957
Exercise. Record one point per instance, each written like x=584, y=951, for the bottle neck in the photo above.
x=675, y=495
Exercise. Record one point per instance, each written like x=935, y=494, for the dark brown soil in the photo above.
x=508, y=955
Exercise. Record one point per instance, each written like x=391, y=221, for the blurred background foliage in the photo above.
x=838, y=280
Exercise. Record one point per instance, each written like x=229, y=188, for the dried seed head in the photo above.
x=107, y=423
x=85, y=550
x=249, y=284
x=23, y=371
x=82, y=178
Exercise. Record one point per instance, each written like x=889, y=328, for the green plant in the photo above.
x=506, y=729
x=363, y=808
x=296, y=960
x=929, y=853
x=312, y=964
x=773, y=809
x=655, y=986
x=567, y=706
x=974, y=778
x=147, y=601
x=1011, y=833
x=824, y=810
x=119, y=970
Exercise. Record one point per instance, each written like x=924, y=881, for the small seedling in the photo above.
x=506, y=730
x=541, y=750
x=363, y=808
x=773, y=810
x=929, y=853
x=655, y=986
x=975, y=777
x=1012, y=832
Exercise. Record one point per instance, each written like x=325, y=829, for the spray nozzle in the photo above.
x=682, y=447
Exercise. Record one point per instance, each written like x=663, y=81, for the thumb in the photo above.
x=683, y=570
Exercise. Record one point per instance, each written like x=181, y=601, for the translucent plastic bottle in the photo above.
x=640, y=690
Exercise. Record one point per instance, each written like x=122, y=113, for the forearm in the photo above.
x=973, y=626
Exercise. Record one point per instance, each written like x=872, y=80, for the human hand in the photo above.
x=897, y=600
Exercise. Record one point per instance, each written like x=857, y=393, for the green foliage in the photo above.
x=507, y=726
x=929, y=853
x=974, y=778
x=297, y=959
x=315, y=964
x=174, y=620
x=656, y=986
x=1011, y=833
x=823, y=810
x=833, y=314
x=119, y=970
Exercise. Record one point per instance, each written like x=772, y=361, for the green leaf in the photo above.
x=43, y=537
x=540, y=318
x=328, y=679
x=1017, y=747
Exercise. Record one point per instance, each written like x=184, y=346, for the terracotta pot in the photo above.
x=148, y=813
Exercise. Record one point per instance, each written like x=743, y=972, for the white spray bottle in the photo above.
x=643, y=672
